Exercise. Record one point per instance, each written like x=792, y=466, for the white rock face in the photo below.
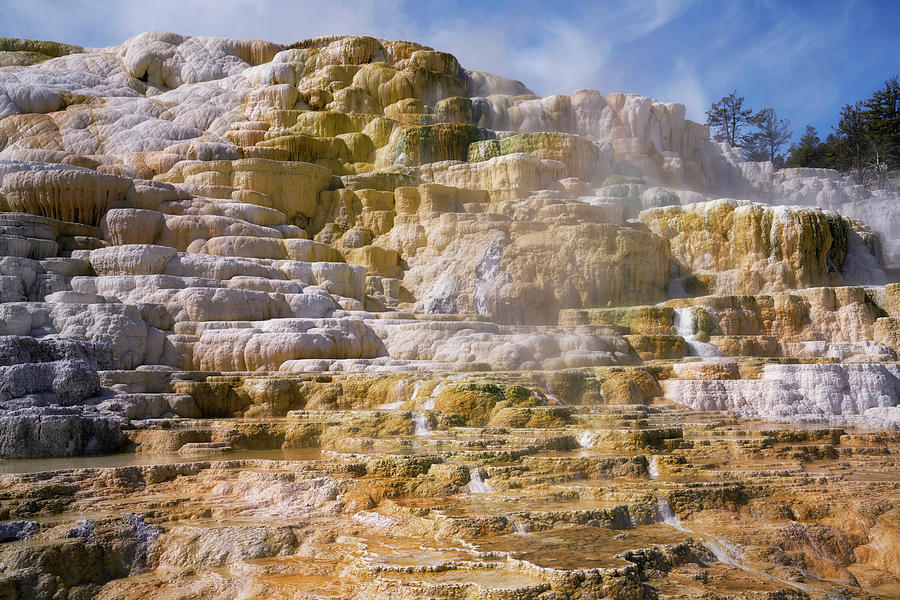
x=266, y=345
x=854, y=394
x=462, y=345
x=117, y=325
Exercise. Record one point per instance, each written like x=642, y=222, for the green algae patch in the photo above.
x=627, y=385
x=383, y=181
x=258, y=396
x=266, y=436
x=454, y=110
x=575, y=387
x=583, y=158
x=46, y=49
x=656, y=347
x=637, y=319
x=624, y=191
x=324, y=123
x=476, y=403
x=433, y=143
x=532, y=418
x=215, y=397
x=472, y=403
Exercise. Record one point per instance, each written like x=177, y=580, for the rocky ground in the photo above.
x=345, y=319
x=492, y=493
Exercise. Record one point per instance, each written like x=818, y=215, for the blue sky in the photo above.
x=805, y=59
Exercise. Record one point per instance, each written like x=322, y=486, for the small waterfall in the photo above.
x=520, y=528
x=585, y=439
x=684, y=322
x=684, y=326
x=420, y=422
x=723, y=550
x=652, y=469
x=555, y=400
x=729, y=554
x=415, y=391
x=477, y=485
x=489, y=277
x=429, y=401
x=668, y=515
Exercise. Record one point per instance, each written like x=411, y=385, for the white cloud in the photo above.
x=563, y=60
x=629, y=21
x=686, y=87
x=276, y=20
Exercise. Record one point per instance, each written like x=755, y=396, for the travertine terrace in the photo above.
x=343, y=319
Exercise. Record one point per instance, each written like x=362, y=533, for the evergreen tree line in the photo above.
x=865, y=143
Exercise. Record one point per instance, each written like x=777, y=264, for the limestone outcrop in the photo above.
x=342, y=318
x=765, y=249
x=289, y=198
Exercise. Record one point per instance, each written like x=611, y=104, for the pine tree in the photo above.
x=727, y=119
x=882, y=115
x=852, y=130
x=810, y=152
x=832, y=155
x=771, y=135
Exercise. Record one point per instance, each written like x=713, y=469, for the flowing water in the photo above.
x=723, y=550
x=476, y=484
x=487, y=274
x=668, y=515
x=684, y=326
x=520, y=528
x=554, y=399
x=420, y=422
x=429, y=401
x=585, y=439
x=653, y=469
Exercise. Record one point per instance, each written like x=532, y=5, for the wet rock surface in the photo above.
x=591, y=500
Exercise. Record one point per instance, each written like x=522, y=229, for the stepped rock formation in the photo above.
x=343, y=319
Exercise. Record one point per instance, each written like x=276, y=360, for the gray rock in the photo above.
x=11, y=289
x=137, y=537
x=16, y=530
x=55, y=568
x=83, y=529
x=137, y=406
x=47, y=283
x=64, y=382
x=30, y=434
x=16, y=350
x=116, y=326
x=183, y=405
